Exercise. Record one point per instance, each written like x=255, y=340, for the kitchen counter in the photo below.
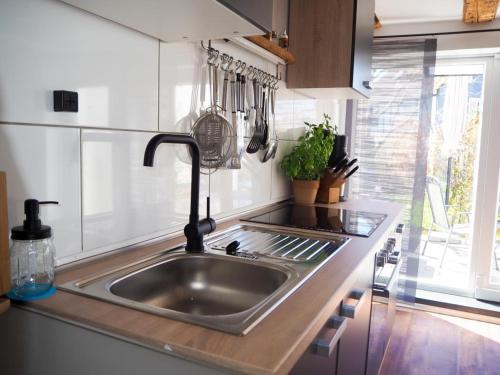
x=272, y=347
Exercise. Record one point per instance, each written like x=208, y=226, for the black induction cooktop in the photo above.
x=326, y=219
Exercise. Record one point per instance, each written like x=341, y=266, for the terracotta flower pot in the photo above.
x=304, y=192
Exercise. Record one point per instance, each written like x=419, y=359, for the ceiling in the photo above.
x=409, y=11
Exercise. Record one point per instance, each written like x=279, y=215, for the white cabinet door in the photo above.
x=179, y=20
x=48, y=45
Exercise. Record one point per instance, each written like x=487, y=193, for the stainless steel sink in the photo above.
x=202, y=285
x=228, y=293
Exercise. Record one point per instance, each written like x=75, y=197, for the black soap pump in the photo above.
x=32, y=256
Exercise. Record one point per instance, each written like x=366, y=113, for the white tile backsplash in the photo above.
x=131, y=86
x=44, y=163
x=280, y=186
x=48, y=45
x=182, y=70
x=237, y=189
x=122, y=199
x=283, y=113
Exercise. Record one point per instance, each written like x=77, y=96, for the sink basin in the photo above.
x=212, y=289
x=201, y=285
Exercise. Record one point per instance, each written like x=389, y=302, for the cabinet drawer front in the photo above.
x=353, y=347
x=352, y=310
x=325, y=346
x=321, y=355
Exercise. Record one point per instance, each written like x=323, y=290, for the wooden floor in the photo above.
x=426, y=343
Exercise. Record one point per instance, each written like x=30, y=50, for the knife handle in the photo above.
x=340, y=165
x=351, y=172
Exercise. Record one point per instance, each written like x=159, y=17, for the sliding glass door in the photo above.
x=430, y=138
x=487, y=230
x=447, y=244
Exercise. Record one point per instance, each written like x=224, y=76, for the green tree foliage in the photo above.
x=462, y=176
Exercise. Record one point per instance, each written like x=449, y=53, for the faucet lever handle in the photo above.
x=208, y=207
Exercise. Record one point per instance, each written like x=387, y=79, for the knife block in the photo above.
x=329, y=195
x=4, y=244
x=329, y=188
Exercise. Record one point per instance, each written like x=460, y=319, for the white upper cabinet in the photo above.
x=48, y=45
x=179, y=20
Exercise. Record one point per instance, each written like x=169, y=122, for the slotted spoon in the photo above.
x=258, y=134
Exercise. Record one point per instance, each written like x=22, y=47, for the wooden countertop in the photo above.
x=272, y=347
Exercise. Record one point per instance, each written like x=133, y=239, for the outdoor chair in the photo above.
x=440, y=215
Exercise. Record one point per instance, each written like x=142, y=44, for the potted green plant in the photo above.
x=305, y=164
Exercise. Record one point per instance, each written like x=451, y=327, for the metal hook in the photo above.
x=261, y=76
x=213, y=54
x=237, y=64
x=250, y=72
x=270, y=78
x=206, y=48
x=241, y=67
x=265, y=78
x=231, y=63
x=275, y=83
x=226, y=61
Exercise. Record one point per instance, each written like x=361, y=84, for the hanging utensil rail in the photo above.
x=226, y=62
x=254, y=118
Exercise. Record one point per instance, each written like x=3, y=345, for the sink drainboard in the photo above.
x=278, y=245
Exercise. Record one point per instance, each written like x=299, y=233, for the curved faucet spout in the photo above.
x=195, y=229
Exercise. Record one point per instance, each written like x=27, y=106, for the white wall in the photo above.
x=130, y=86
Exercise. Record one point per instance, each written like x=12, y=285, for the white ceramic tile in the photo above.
x=44, y=163
x=304, y=109
x=123, y=201
x=48, y=45
x=332, y=108
x=234, y=190
x=284, y=113
x=281, y=186
x=181, y=73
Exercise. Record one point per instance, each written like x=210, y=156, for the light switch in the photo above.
x=65, y=101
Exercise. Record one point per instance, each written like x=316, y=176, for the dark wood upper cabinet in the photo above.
x=332, y=42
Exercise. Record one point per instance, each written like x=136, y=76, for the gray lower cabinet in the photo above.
x=353, y=347
x=341, y=347
x=322, y=355
x=34, y=344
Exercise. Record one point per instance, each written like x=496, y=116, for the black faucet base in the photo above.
x=195, y=232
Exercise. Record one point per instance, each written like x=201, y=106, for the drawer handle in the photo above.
x=324, y=347
x=351, y=311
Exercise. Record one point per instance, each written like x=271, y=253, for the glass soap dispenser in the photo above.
x=32, y=256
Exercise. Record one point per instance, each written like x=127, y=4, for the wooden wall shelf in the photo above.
x=272, y=47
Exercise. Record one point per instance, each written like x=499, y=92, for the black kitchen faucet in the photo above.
x=195, y=229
